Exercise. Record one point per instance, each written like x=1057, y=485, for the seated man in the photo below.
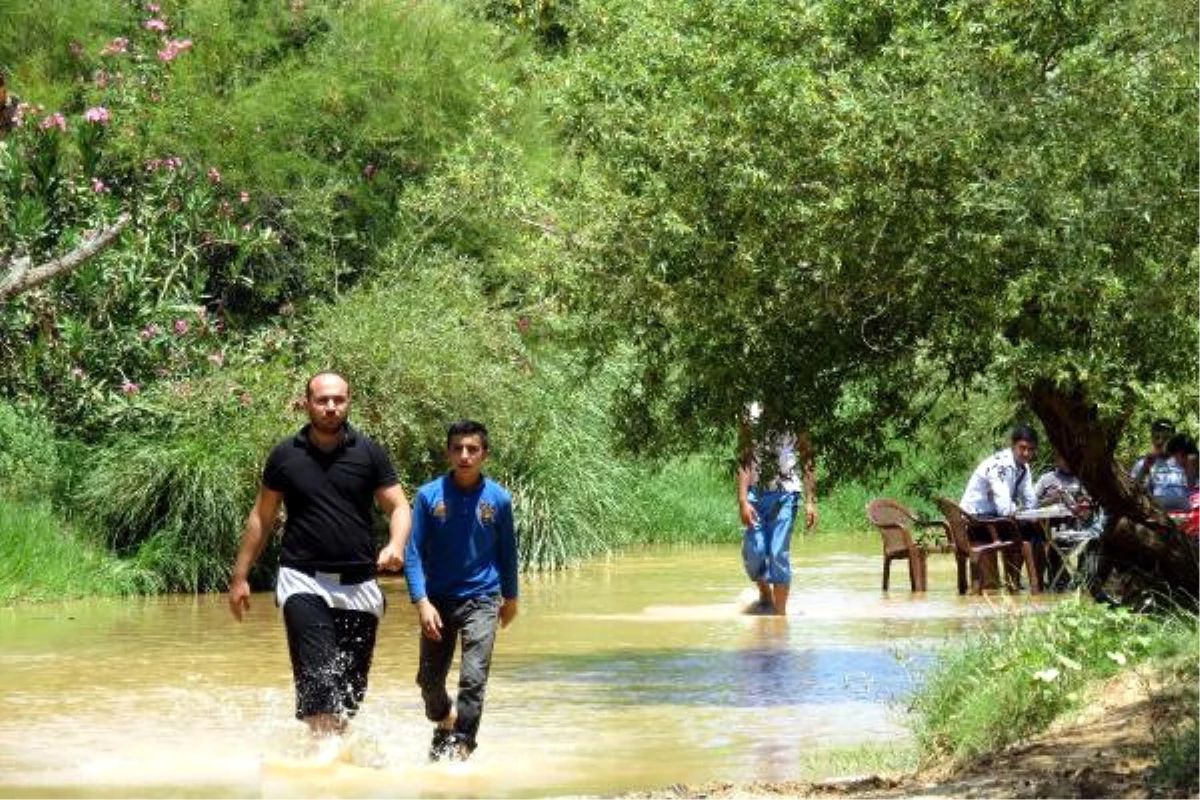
x=1061, y=486
x=1164, y=478
x=1000, y=486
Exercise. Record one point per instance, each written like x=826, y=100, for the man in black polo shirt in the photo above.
x=328, y=476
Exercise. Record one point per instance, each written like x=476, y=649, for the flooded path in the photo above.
x=634, y=673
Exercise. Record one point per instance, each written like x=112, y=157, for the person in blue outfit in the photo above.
x=461, y=567
x=328, y=476
x=775, y=471
x=1163, y=477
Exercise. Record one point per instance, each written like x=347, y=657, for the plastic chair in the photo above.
x=982, y=556
x=896, y=524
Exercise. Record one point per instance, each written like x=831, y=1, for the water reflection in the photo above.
x=632, y=673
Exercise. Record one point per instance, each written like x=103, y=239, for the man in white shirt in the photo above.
x=1001, y=485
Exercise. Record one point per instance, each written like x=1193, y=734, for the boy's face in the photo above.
x=466, y=454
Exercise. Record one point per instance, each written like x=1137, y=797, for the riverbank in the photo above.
x=1110, y=747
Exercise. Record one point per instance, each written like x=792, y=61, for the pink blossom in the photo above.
x=214, y=175
x=98, y=115
x=244, y=197
x=174, y=48
x=129, y=387
x=523, y=324
x=155, y=24
x=117, y=45
x=55, y=120
x=153, y=8
x=181, y=326
x=99, y=186
x=150, y=331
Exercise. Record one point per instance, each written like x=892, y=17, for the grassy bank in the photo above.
x=1003, y=683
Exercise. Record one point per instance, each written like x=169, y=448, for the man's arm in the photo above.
x=745, y=456
x=808, y=474
x=258, y=527
x=395, y=506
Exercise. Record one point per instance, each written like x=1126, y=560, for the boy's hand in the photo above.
x=508, y=611
x=431, y=620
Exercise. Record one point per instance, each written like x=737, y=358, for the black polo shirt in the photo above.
x=328, y=497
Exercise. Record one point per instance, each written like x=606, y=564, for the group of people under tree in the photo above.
x=457, y=547
x=1002, y=485
x=457, y=544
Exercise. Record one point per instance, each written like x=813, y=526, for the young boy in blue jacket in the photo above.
x=461, y=568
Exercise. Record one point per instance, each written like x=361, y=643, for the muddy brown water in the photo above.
x=636, y=672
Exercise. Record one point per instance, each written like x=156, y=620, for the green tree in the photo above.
x=848, y=208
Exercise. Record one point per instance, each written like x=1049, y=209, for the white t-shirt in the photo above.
x=774, y=459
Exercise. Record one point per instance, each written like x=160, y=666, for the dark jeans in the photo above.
x=474, y=619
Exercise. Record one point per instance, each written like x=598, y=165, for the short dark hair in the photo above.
x=467, y=427
x=308, y=384
x=1024, y=433
x=1162, y=426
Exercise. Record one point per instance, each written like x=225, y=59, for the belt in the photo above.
x=345, y=575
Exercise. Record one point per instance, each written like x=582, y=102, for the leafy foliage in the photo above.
x=848, y=208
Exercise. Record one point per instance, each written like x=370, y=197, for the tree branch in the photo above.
x=21, y=276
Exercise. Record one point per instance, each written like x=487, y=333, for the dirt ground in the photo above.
x=1104, y=750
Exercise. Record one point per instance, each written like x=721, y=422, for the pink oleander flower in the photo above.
x=153, y=8
x=174, y=48
x=55, y=120
x=150, y=331
x=129, y=387
x=244, y=197
x=181, y=327
x=173, y=162
x=116, y=46
x=99, y=186
x=214, y=175
x=156, y=24
x=98, y=115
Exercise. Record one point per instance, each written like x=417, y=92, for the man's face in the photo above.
x=466, y=454
x=328, y=403
x=1158, y=440
x=1023, y=451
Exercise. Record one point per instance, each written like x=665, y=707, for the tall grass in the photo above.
x=41, y=559
x=687, y=501
x=174, y=505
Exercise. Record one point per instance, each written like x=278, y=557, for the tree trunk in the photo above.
x=1139, y=540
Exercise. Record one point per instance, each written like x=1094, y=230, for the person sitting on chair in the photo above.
x=1164, y=478
x=1000, y=486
